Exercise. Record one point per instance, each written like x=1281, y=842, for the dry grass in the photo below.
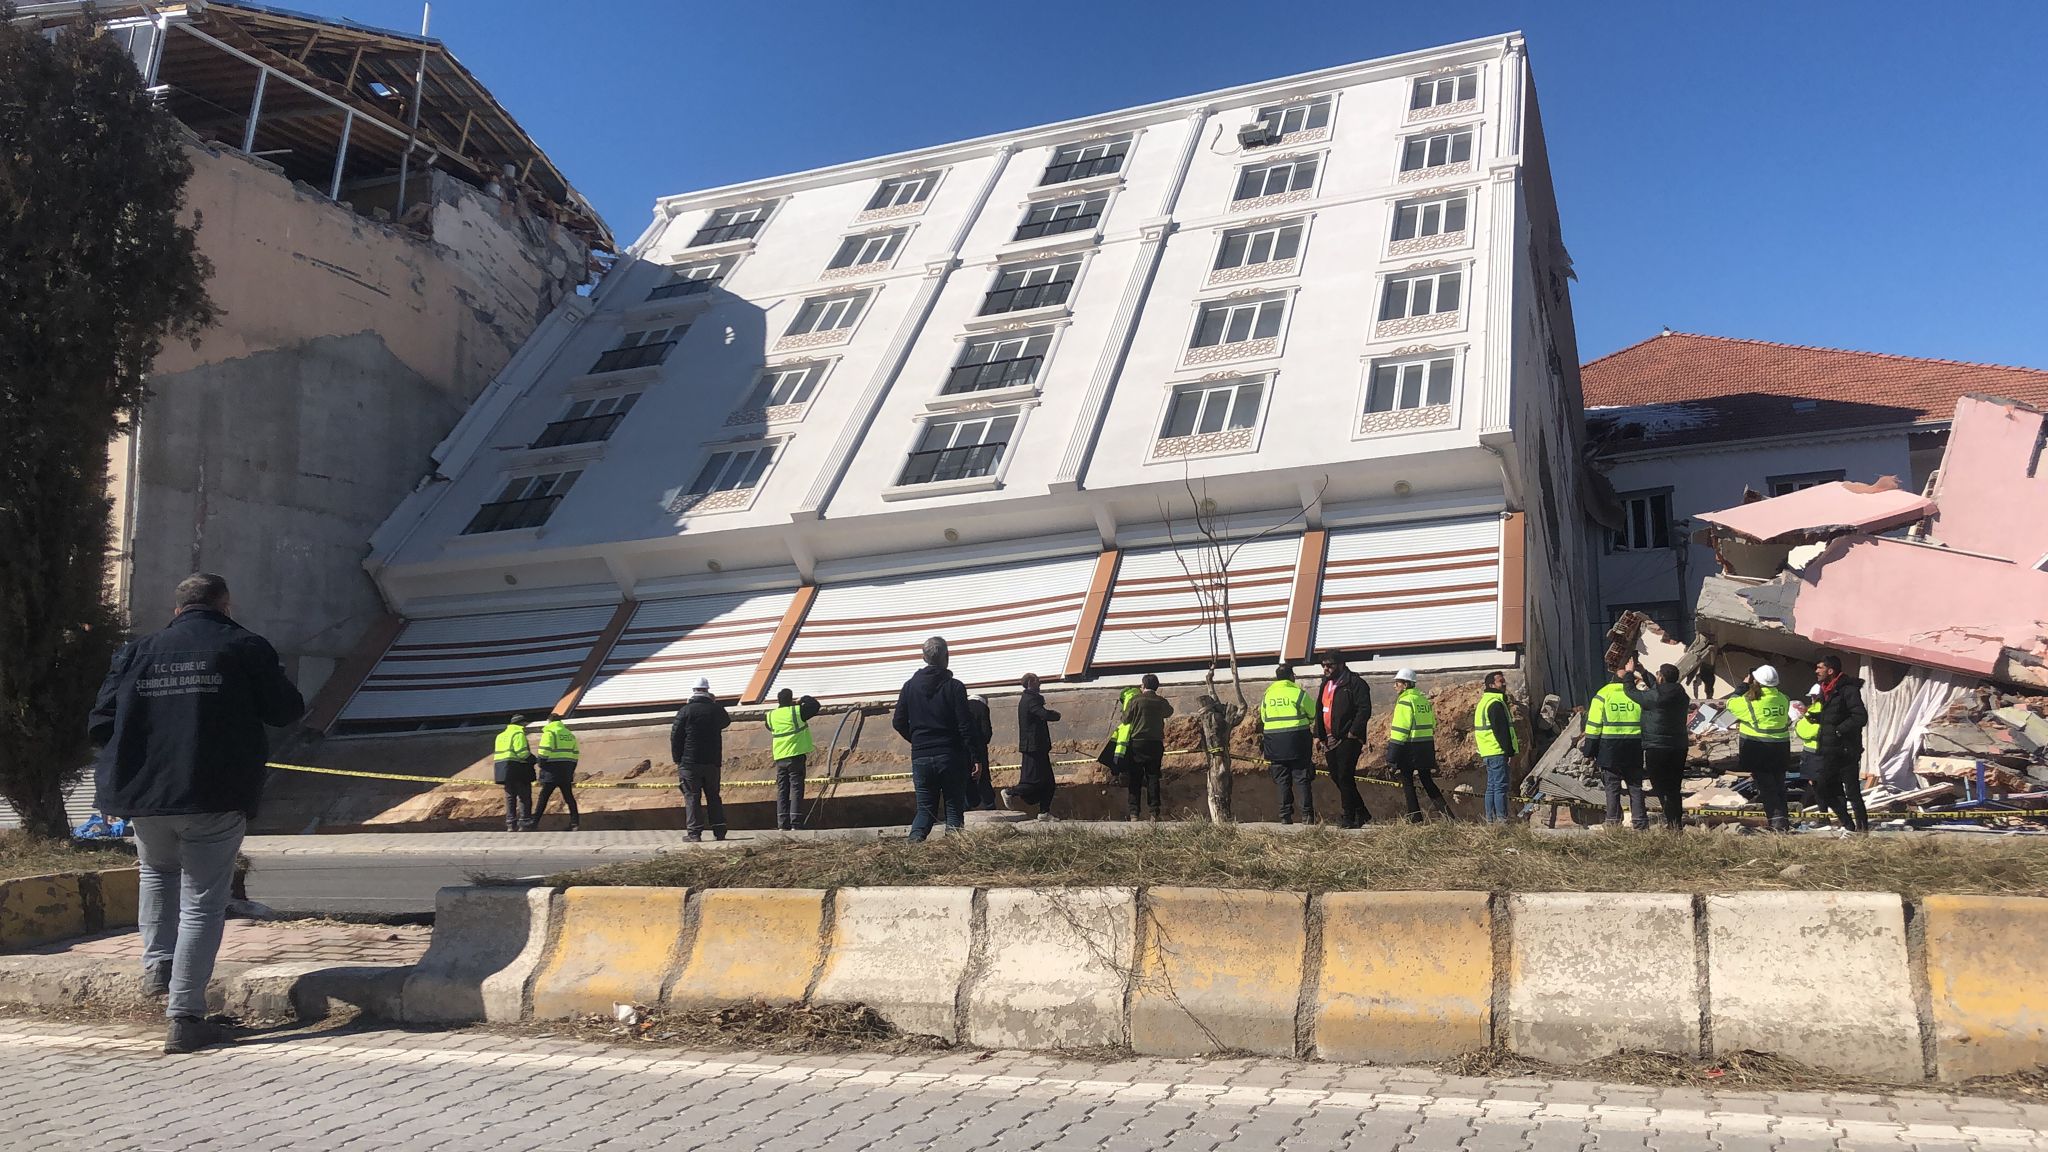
x=25, y=855
x=1431, y=856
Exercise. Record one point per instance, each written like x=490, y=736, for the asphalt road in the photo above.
x=388, y=882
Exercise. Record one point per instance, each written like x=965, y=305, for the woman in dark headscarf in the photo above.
x=1034, y=744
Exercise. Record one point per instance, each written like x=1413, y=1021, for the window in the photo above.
x=1666, y=614
x=1060, y=217
x=640, y=349
x=827, y=314
x=1410, y=384
x=1283, y=120
x=1431, y=91
x=1436, y=150
x=1038, y=287
x=1782, y=485
x=587, y=421
x=1646, y=523
x=958, y=449
x=691, y=279
x=902, y=190
x=1253, y=246
x=732, y=224
x=526, y=502
x=732, y=470
x=1228, y=322
x=1429, y=218
x=791, y=384
x=1201, y=408
x=1008, y=361
x=1080, y=161
x=1423, y=295
x=872, y=248
x=1275, y=179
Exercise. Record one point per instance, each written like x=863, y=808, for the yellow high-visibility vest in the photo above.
x=790, y=733
x=511, y=744
x=1414, y=719
x=1768, y=717
x=1482, y=730
x=1123, y=730
x=1286, y=708
x=1808, y=727
x=1613, y=714
x=557, y=742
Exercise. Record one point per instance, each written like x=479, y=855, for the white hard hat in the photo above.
x=1813, y=691
x=703, y=683
x=1766, y=675
x=1406, y=675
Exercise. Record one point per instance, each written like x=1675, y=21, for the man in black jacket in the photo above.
x=1034, y=748
x=981, y=789
x=1842, y=720
x=1343, y=716
x=697, y=744
x=180, y=724
x=932, y=714
x=1665, y=705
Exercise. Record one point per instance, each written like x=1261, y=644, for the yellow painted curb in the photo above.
x=752, y=944
x=1220, y=970
x=1987, y=974
x=35, y=910
x=616, y=945
x=1406, y=976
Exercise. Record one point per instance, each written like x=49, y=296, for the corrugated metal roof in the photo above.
x=1410, y=585
x=1164, y=606
x=670, y=643
x=473, y=665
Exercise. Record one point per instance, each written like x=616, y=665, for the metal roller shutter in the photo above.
x=862, y=639
x=1158, y=615
x=670, y=643
x=479, y=665
x=1411, y=585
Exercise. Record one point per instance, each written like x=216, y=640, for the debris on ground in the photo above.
x=756, y=1027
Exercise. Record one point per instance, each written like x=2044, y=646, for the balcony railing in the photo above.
x=638, y=356
x=1058, y=225
x=1011, y=373
x=952, y=463
x=1082, y=169
x=672, y=290
x=505, y=515
x=582, y=430
x=719, y=234
x=1025, y=296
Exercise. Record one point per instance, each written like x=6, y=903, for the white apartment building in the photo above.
x=988, y=389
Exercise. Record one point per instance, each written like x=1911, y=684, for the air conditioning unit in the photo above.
x=1256, y=134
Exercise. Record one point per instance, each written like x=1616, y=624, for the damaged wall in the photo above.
x=346, y=349
x=1993, y=492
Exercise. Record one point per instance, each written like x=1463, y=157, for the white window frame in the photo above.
x=688, y=271
x=1435, y=82
x=1028, y=269
x=1790, y=482
x=1275, y=117
x=889, y=191
x=1193, y=353
x=758, y=406
x=868, y=250
x=1292, y=163
x=1625, y=539
x=1426, y=364
x=1209, y=390
x=687, y=502
x=763, y=211
x=1449, y=135
x=1023, y=337
x=1406, y=282
x=856, y=307
x=1081, y=150
x=898, y=490
x=1273, y=232
x=1421, y=206
x=526, y=476
x=1053, y=205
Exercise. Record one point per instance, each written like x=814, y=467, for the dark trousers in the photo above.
x=1415, y=763
x=1666, y=769
x=1035, y=782
x=1766, y=762
x=1343, y=758
x=518, y=803
x=940, y=783
x=1838, y=787
x=1291, y=777
x=701, y=800
x=789, y=791
x=1621, y=770
x=1143, y=767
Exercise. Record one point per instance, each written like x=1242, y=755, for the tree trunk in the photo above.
x=39, y=802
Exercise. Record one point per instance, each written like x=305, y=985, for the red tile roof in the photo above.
x=1681, y=388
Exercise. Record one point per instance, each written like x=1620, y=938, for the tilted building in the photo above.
x=1295, y=356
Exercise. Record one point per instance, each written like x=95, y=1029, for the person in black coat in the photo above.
x=181, y=727
x=1035, y=782
x=1842, y=720
x=932, y=715
x=697, y=744
x=1665, y=703
x=981, y=790
x=1343, y=719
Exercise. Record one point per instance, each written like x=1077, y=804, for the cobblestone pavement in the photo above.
x=106, y=1088
x=262, y=942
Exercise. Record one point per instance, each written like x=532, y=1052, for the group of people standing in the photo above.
x=1637, y=729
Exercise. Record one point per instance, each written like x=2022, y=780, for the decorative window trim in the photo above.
x=872, y=267
x=1303, y=135
x=1102, y=179
x=831, y=337
x=1441, y=241
x=1208, y=445
x=978, y=325
x=1449, y=109
x=1013, y=248
x=1255, y=348
x=1262, y=159
x=522, y=471
x=772, y=415
x=902, y=211
x=1423, y=418
x=683, y=503
x=1440, y=171
x=988, y=483
x=1040, y=193
x=1429, y=322
x=954, y=401
x=720, y=246
x=1259, y=273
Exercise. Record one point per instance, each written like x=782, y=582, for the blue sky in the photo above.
x=1859, y=175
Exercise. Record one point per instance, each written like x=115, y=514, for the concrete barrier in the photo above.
x=486, y=944
x=902, y=952
x=36, y=910
x=1057, y=962
x=1221, y=970
x=1593, y=973
x=751, y=944
x=120, y=897
x=1987, y=977
x=615, y=945
x=1406, y=976
x=1820, y=977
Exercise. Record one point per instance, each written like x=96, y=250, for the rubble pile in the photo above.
x=2008, y=732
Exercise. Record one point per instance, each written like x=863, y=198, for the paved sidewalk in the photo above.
x=107, y=1089
x=278, y=942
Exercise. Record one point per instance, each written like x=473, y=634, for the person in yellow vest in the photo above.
x=1411, y=745
x=1493, y=731
x=789, y=730
x=558, y=755
x=1614, y=740
x=1284, y=718
x=1121, y=738
x=512, y=768
x=1763, y=721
